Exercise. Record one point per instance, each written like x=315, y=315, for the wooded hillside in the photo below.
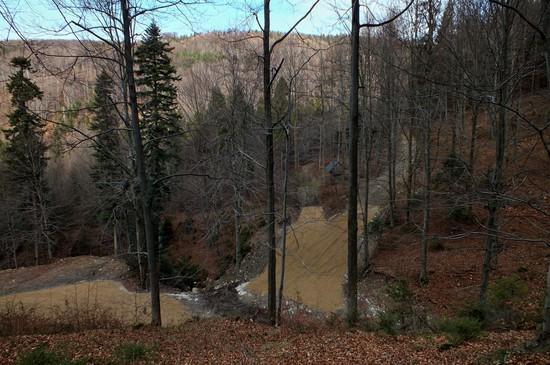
x=394, y=178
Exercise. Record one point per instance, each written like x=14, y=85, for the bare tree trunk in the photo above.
x=238, y=243
x=423, y=278
x=44, y=223
x=410, y=158
x=426, y=219
x=285, y=222
x=393, y=167
x=139, y=250
x=14, y=244
x=144, y=184
x=453, y=126
x=14, y=252
x=269, y=166
x=115, y=238
x=351, y=300
x=545, y=11
x=341, y=114
x=547, y=61
x=545, y=334
x=546, y=28
x=409, y=172
x=391, y=193
x=368, y=140
x=36, y=244
x=322, y=125
x=471, y=158
x=368, y=154
x=500, y=149
x=473, y=138
x=295, y=127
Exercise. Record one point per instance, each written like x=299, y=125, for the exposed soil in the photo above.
x=104, y=296
x=65, y=271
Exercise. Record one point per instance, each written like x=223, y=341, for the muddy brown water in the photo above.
x=106, y=296
x=316, y=261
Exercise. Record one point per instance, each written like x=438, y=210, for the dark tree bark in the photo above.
x=432, y=15
x=269, y=166
x=238, y=212
x=368, y=136
x=545, y=333
x=351, y=298
x=496, y=182
x=427, y=197
x=144, y=184
x=285, y=216
x=471, y=156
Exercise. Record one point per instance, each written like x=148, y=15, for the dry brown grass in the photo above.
x=17, y=319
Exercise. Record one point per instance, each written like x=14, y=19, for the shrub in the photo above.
x=377, y=224
x=476, y=311
x=129, y=353
x=461, y=329
x=41, y=356
x=399, y=291
x=183, y=274
x=436, y=245
x=133, y=261
x=246, y=235
x=500, y=309
x=507, y=290
x=388, y=322
x=503, y=297
x=454, y=174
x=165, y=233
x=459, y=212
x=17, y=319
x=402, y=313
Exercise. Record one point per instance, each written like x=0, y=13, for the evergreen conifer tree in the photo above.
x=217, y=113
x=280, y=100
x=160, y=119
x=106, y=171
x=25, y=158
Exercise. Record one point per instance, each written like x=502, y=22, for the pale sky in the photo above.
x=37, y=19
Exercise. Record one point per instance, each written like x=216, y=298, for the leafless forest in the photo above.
x=371, y=195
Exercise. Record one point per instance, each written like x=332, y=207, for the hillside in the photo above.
x=260, y=197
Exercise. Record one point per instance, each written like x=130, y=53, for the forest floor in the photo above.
x=221, y=341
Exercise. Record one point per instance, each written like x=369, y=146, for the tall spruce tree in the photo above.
x=240, y=114
x=25, y=158
x=280, y=100
x=106, y=171
x=161, y=121
x=217, y=114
